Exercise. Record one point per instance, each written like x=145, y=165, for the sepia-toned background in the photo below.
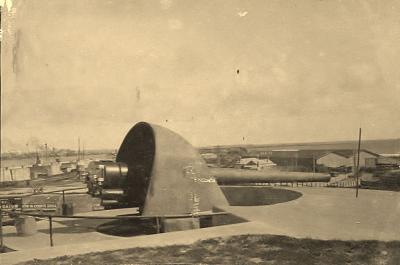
x=216, y=72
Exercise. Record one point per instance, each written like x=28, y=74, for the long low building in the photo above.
x=312, y=160
x=23, y=173
x=348, y=158
x=15, y=174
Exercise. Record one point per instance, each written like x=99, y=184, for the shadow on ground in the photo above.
x=76, y=226
x=257, y=195
x=127, y=228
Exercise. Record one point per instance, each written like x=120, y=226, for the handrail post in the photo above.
x=63, y=207
x=51, y=231
x=158, y=225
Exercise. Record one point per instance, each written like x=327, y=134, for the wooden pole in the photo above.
x=64, y=210
x=358, y=161
x=1, y=230
x=313, y=159
x=46, y=158
x=79, y=149
x=158, y=225
x=51, y=231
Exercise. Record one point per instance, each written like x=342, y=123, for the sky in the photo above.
x=216, y=72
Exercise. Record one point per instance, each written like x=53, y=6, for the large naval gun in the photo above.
x=160, y=172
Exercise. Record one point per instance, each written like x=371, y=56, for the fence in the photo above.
x=158, y=219
x=346, y=183
x=36, y=192
x=50, y=217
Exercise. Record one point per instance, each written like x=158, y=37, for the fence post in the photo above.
x=51, y=231
x=63, y=207
x=158, y=225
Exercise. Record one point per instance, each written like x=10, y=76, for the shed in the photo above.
x=333, y=160
x=348, y=158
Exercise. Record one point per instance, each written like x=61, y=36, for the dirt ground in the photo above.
x=247, y=249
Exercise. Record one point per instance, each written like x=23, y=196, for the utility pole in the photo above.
x=79, y=148
x=1, y=230
x=358, y=161
x=218, y=156
x=313, y=160
x=45, y=154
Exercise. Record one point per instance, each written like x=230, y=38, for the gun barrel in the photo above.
x=235, y=176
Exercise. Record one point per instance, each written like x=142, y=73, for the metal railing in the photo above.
x=348, y=183
x=50, y=217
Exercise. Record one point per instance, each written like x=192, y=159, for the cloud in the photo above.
x=166, y=4
x=175, y=24
x=242, y=13
x=113, y=65
x=7, y=3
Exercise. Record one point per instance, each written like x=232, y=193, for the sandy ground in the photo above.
x=65, y=231
x=331, y=213
x=321, y=213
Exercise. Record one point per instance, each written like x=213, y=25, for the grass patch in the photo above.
x=246, y=249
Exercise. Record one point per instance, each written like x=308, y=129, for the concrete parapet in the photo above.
x=180, y=224
x=25, y=225
x=225, y=219
x=79, y=203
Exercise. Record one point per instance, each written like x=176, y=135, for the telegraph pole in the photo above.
x=313, y=160
x=358, y=161
x=45, y=146
x=79, y=148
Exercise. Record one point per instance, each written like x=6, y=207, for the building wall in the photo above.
x=388, y=160
x=364, y=157
x=333, y=160
x=55, y=169
x=15, y=174
x=370, y=162
x=39, y=170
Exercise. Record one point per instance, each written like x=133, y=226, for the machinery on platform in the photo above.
x=156, y=170
x=105, y=179
x=161, y=173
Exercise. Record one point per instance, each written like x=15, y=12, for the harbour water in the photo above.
x=30, y=161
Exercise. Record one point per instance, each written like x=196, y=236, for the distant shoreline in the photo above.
x=26, y=155
x=27, y=161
